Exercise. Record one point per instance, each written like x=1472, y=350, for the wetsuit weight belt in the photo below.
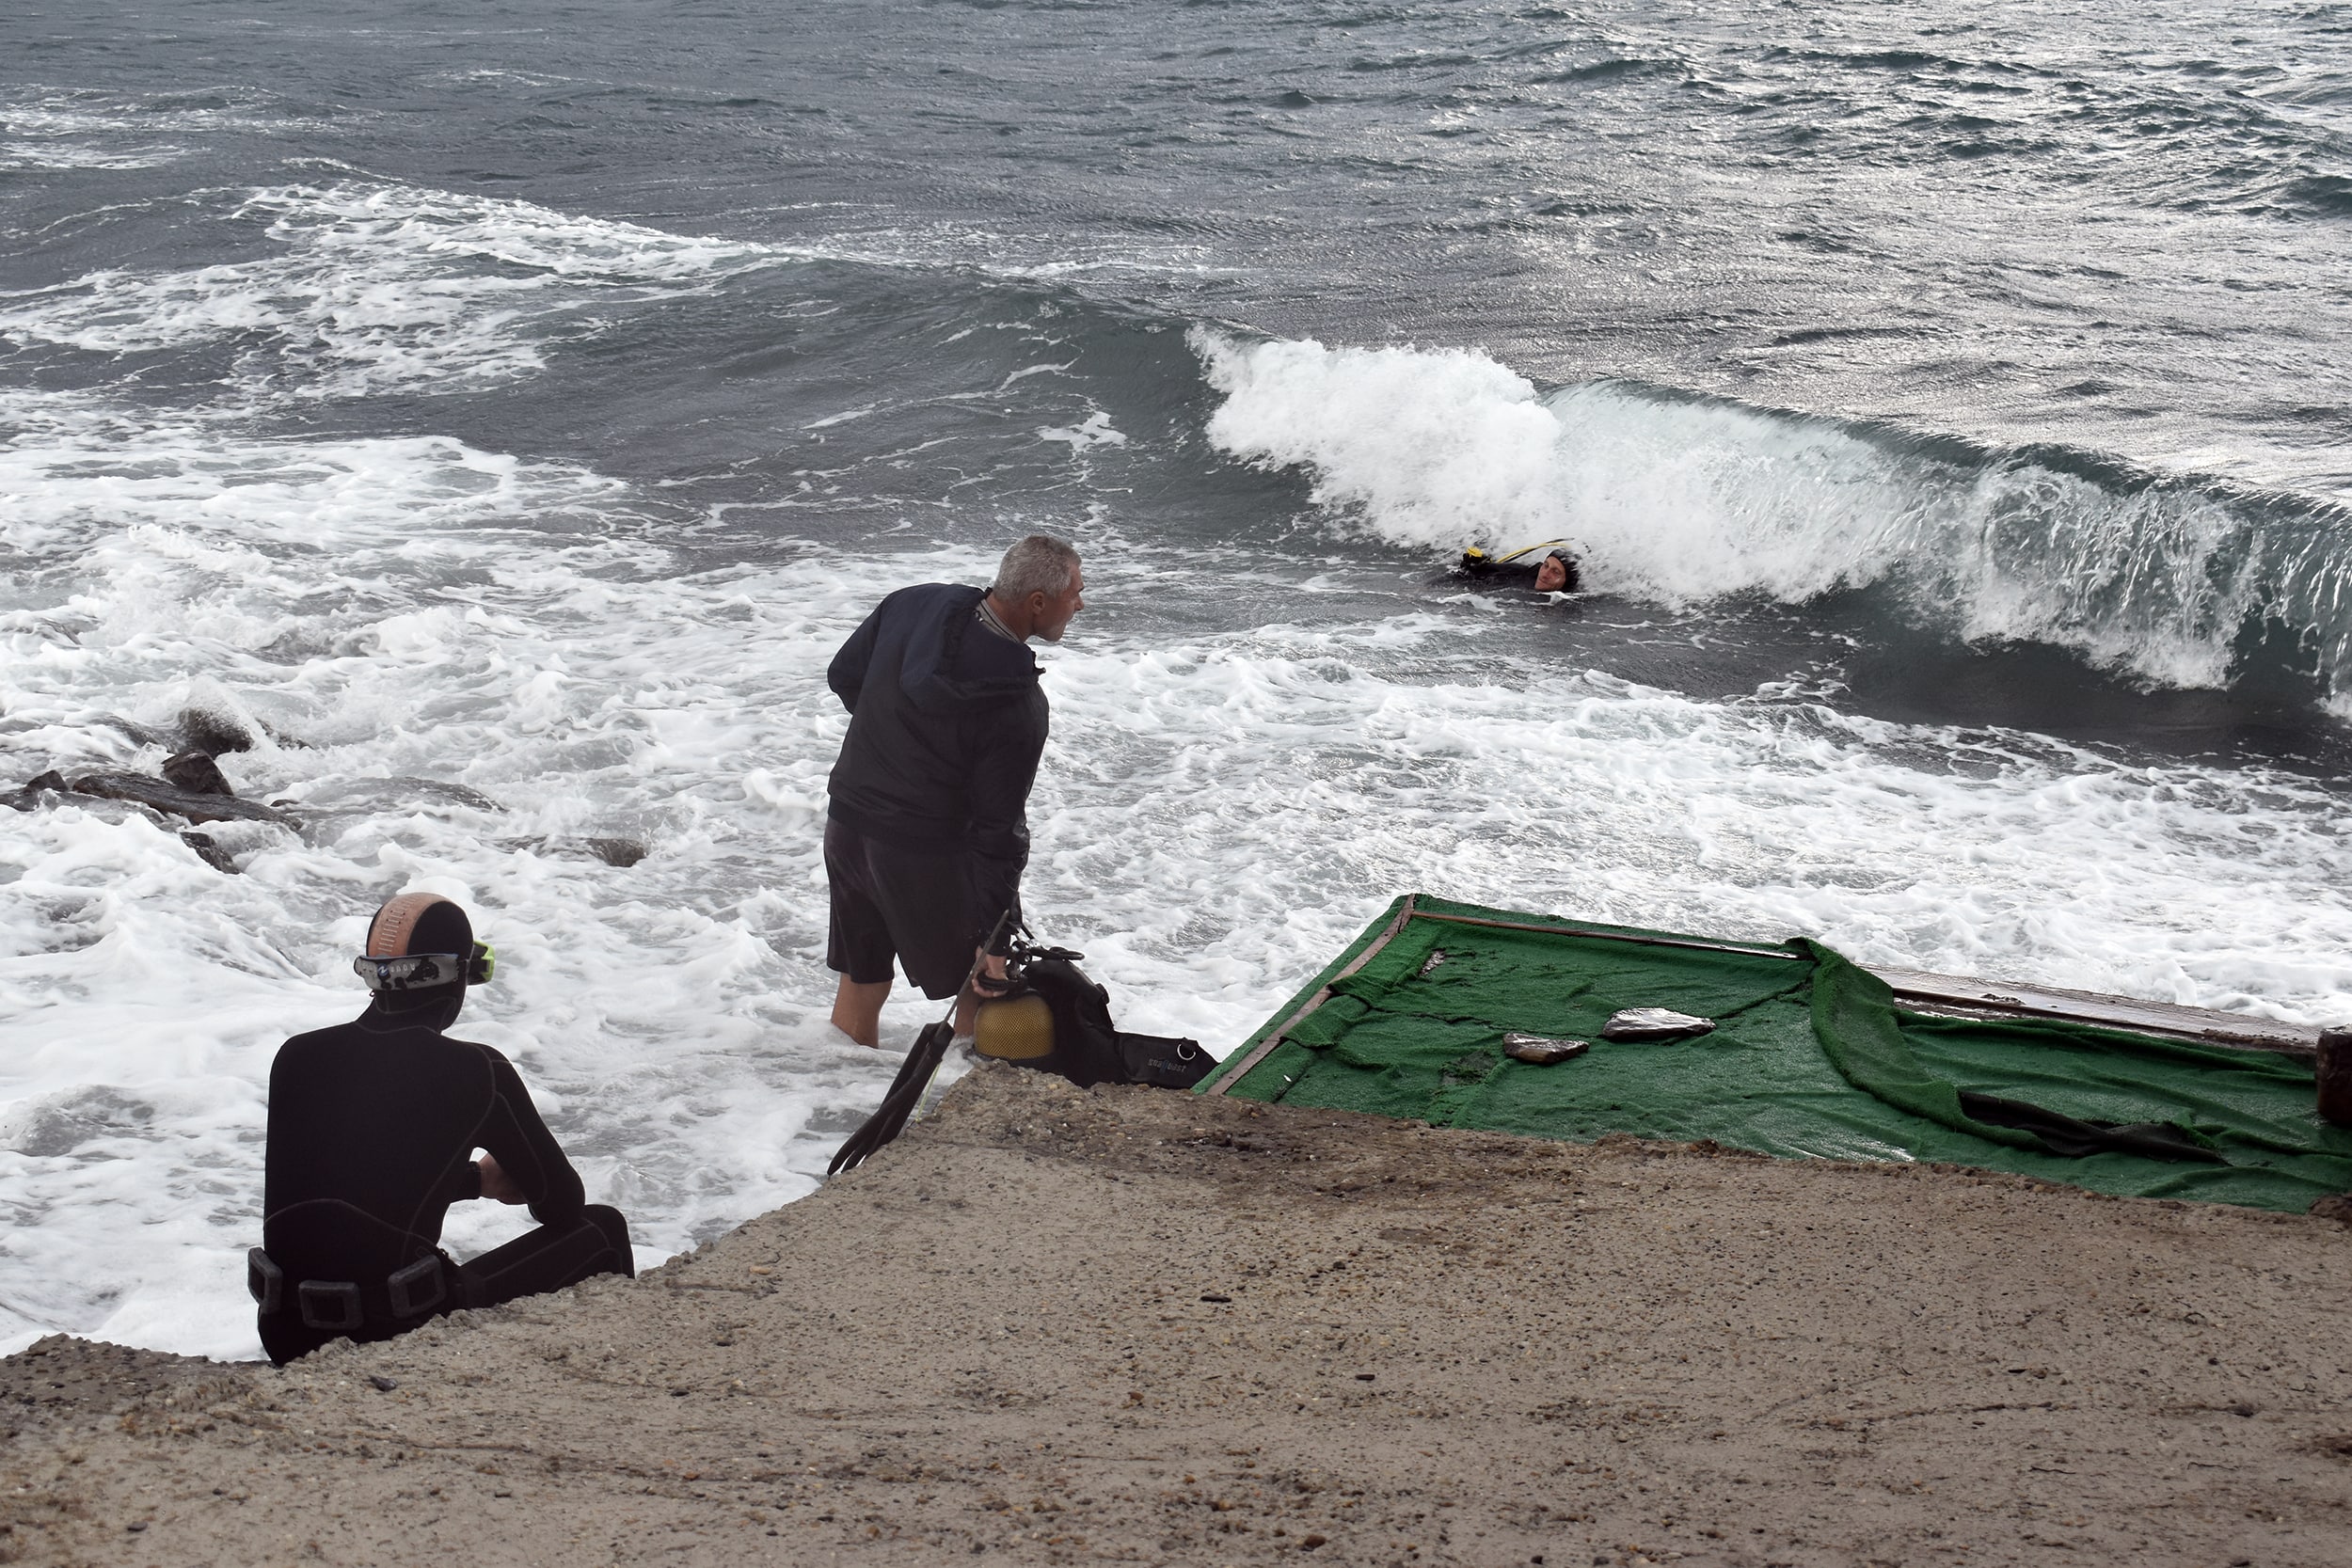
x=341, y=1306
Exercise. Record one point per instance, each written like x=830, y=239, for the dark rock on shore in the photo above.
x=399, y=793
x=193, y=788
x=146, y=735
x=164, y=796
x=33, y=795
x=29, y=798
x=213, y=732
x=196, y=773
x=198, y=729
x=208, y=849
x=623, y=852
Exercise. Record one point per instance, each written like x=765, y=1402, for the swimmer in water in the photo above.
x=1552, y=573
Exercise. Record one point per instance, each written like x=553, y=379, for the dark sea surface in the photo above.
x=504, y=410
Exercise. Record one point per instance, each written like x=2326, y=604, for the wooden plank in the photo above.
x=1228, y=1077
x=1569, y=928
x=1976, y=998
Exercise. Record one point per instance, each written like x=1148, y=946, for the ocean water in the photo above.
x=505, y=414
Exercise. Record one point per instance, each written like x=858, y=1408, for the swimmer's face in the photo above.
x=1552, y=575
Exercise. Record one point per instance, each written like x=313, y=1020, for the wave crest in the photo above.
x=1679, y=499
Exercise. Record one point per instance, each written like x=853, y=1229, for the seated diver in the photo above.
x=1553, y=573
x=371, y=1129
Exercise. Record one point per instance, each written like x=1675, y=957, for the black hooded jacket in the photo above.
x=946, y=723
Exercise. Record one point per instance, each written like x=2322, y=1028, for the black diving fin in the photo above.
x=890, y=1119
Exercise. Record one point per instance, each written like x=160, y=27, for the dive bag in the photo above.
x=1049, y=1015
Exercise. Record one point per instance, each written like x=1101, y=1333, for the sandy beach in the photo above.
x=1053, y=1325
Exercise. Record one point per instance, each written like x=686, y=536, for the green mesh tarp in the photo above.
x=1810, y=1058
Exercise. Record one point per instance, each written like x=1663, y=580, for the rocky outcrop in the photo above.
x=212, y=731
x=165, y=796
x=196, y=773
x=623, y=852
x=193, y=788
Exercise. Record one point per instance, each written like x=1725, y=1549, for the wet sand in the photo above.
x=1059, y=1327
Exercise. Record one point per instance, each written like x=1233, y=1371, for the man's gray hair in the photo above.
x=1039, y=564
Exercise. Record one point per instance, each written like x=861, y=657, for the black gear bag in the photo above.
x=1048, y=1016
x=1057, y=1020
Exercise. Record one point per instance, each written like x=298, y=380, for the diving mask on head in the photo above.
x=423, y=971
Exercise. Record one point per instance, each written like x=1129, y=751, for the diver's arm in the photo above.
x=1004, y=767
x=462, y=1183
x=525, y=1152
x=846, y=674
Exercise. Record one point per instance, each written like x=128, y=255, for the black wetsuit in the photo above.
x=1511, y=574
x=372, y=1126
x=929, y=827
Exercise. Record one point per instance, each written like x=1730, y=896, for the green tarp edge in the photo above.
x=1853, y=1018
x=1234, y=1058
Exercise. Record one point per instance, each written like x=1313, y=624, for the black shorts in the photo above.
x=918, y=906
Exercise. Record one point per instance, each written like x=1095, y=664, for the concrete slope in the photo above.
x=1059, y=1327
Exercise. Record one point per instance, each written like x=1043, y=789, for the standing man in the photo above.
x=929, y=827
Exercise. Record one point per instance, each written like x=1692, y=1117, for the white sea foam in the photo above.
x=380, y=288
x=52, y=152
x=1095, y=430
x=998, y=253
x=42, y=129
x=1677, y=502
x=474, y=662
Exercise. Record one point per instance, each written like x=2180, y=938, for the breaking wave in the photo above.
x=1678, y=500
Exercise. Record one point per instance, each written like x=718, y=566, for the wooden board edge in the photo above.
x=1315, y=993
x=1975, y=997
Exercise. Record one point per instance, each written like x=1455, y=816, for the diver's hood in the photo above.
x=954, y=664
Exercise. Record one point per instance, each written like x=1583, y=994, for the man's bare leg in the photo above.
x=857, y=1009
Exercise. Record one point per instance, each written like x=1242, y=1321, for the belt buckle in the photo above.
x=264, y=1279
x=399, y=1283
x=318, y=1296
